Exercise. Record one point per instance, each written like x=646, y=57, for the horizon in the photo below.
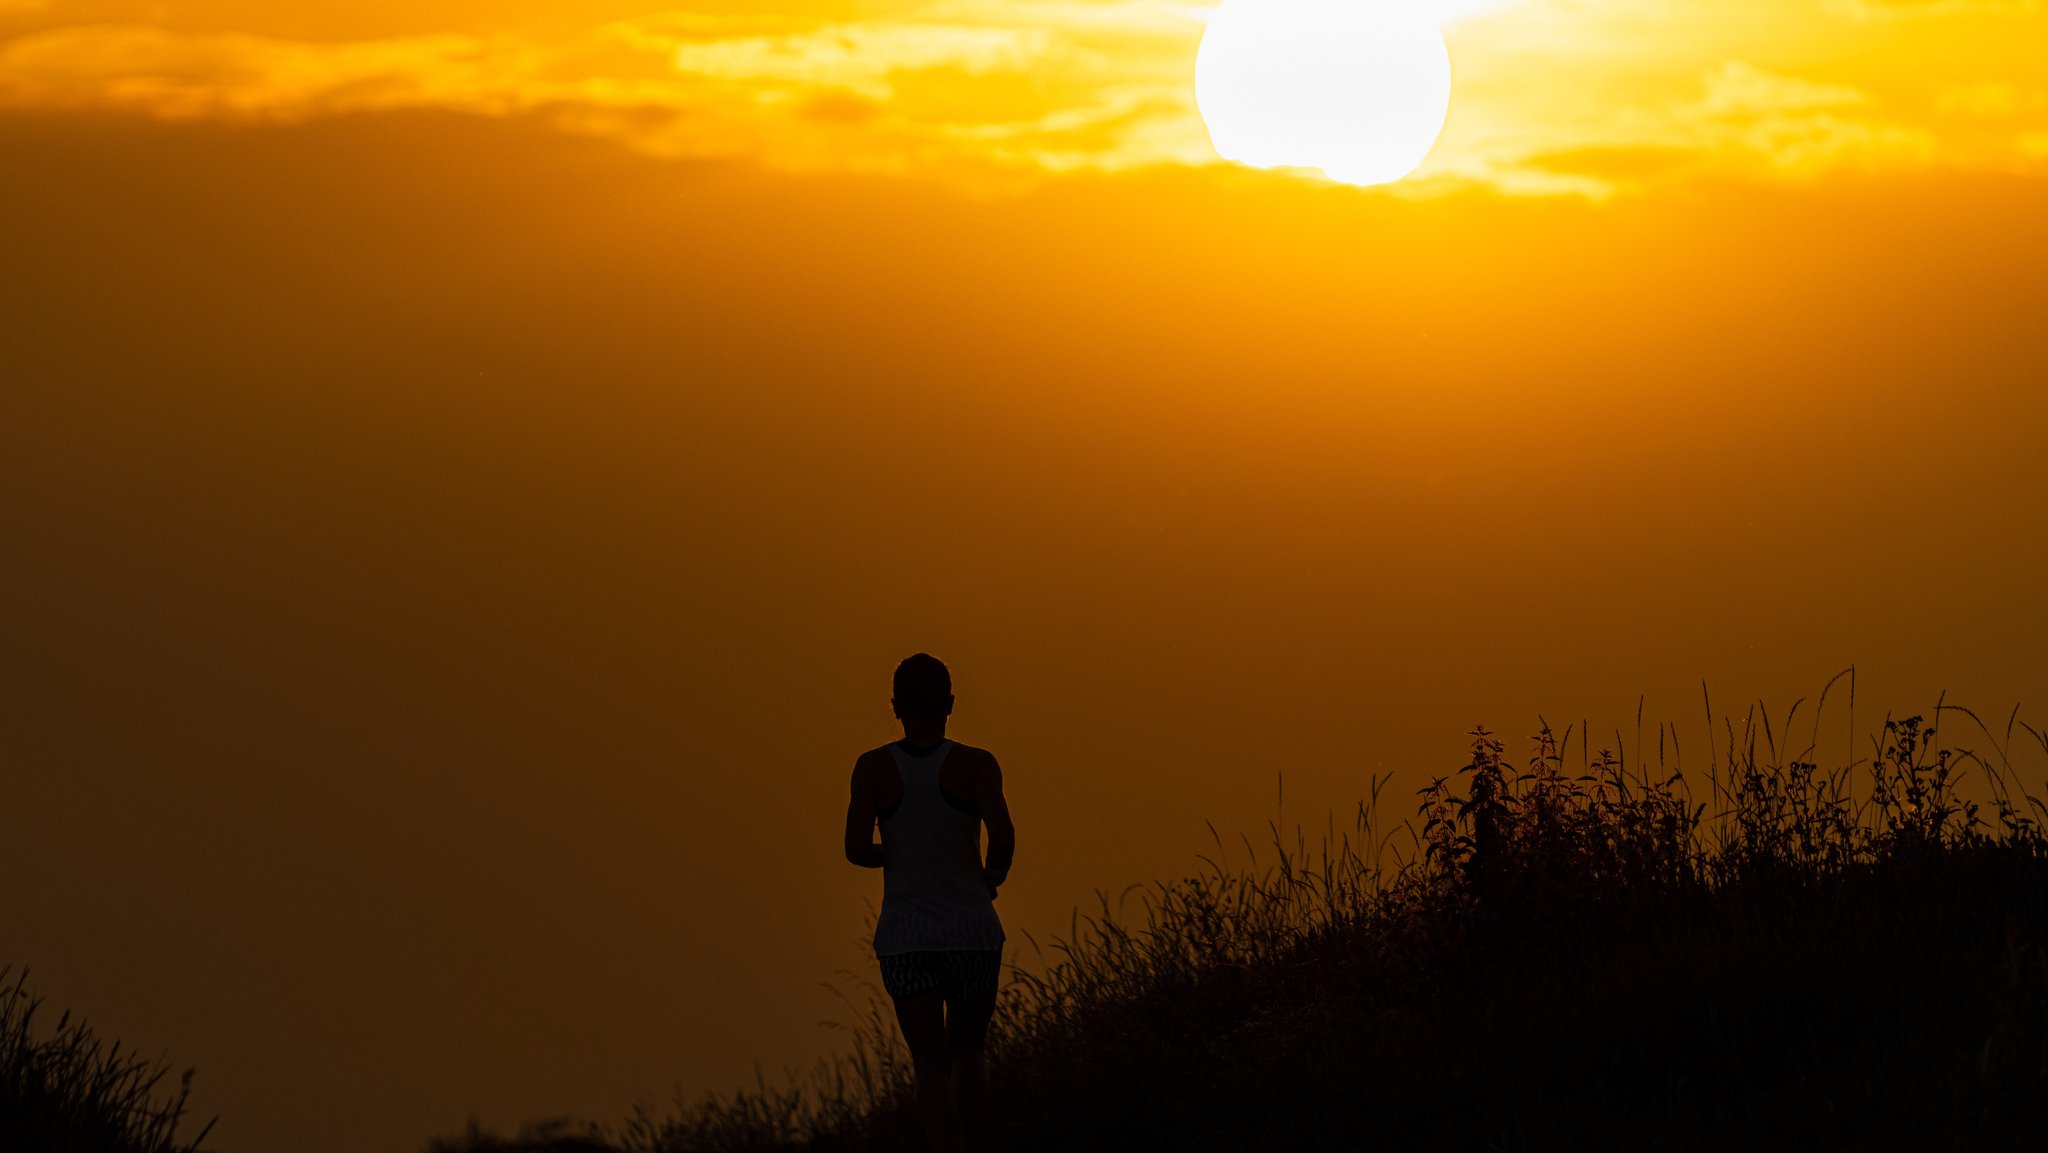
x=469, y=471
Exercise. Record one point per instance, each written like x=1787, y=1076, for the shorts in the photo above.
x=960, y=975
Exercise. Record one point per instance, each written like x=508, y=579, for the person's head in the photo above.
x=923, y=690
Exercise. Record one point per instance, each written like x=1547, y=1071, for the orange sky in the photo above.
x=467, y=471
x=1585, y=96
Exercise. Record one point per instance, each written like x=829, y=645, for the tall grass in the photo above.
x=68, y=1091
x=1549, y=955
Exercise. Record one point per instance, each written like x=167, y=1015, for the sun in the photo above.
x=1356, y=88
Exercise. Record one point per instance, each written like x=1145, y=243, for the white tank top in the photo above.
x=933, y=895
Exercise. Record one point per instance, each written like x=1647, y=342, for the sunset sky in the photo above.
x=1553, y=96
x=468, y=469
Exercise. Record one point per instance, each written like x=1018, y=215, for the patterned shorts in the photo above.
x=961, y=975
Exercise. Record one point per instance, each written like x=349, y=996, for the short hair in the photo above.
x=923, y=687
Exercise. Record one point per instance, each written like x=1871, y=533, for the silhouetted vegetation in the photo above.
x=70, y=1092
x=1565, y=950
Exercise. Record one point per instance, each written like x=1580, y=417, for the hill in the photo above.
x=1554, y=956
x=65, y=1090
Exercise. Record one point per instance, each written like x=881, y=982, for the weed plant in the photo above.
x=70, y=1092
x=1549, y=956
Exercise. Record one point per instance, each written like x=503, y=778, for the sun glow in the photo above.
x=1358, y=89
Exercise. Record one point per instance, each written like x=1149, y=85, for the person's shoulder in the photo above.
x=978, y=757
x=872, y=760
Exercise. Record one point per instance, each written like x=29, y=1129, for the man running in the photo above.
x=938, y=939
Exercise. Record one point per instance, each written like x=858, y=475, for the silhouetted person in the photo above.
x=938, y=939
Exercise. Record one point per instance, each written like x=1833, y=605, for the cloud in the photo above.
x=861, y=57
x=233, y=75
x=1798, y=125
x=1992, y=100
x=1006, y=90
x=880, y=95
x=1615, y=164
x=1740, y=89
x=1742, y=121
x=1926, y=9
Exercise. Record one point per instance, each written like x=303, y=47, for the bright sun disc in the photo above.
x=1356, y=88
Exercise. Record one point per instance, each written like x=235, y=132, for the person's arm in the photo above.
x=995, y=813
x=861, y=848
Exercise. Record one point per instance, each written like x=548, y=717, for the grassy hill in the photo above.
x=1564, y=951
x=65, y=1090
x=1550, y=955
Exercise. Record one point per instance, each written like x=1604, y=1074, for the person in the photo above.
x=938, y=939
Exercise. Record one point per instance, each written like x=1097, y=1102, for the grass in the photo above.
x=1600, y=955
x=68, y=1091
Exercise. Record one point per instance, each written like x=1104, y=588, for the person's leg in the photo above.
x=972, y=1004
x=922, y=1018
x=970, y=1100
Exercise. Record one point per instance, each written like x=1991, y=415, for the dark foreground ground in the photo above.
x=1549, y=956
x=1592, y=957
x=1903, y=1007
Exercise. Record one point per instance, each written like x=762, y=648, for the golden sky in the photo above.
x=467, y=471
x=1551, y=96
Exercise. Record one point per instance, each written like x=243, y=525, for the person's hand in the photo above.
x=992, y=881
